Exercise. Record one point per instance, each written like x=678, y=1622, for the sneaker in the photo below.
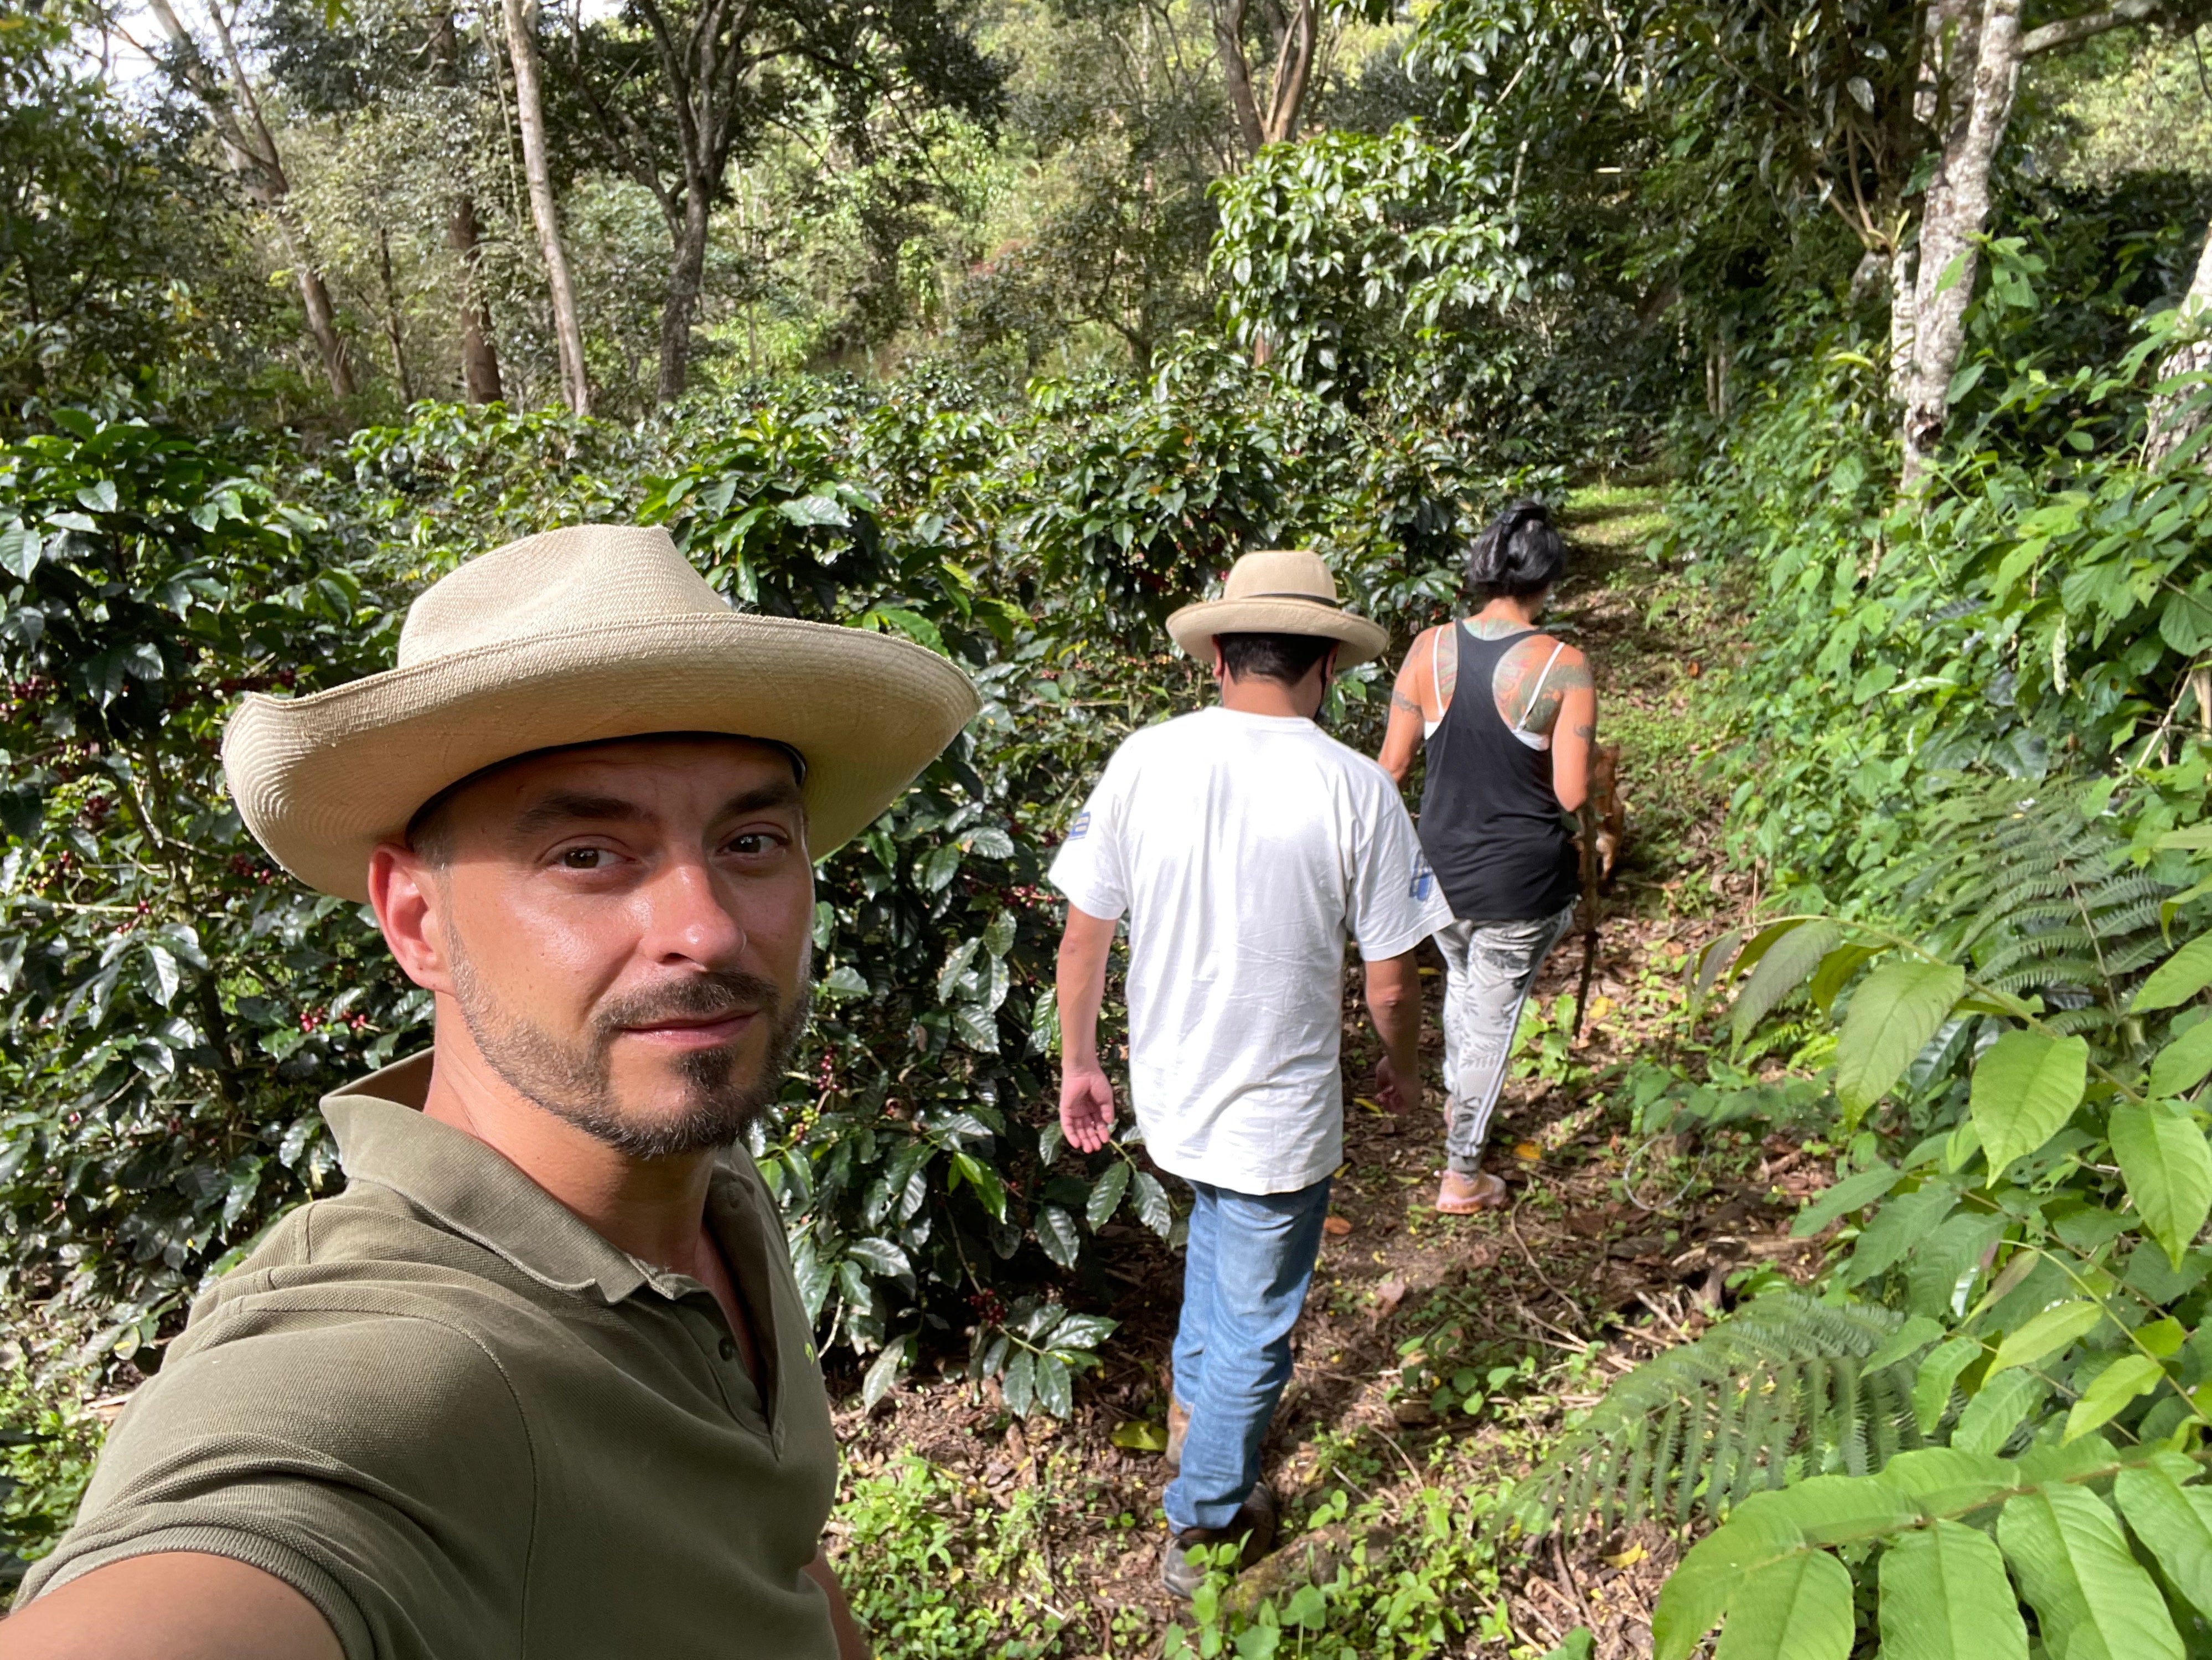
x=1181, y=1572
x=1178, y=1429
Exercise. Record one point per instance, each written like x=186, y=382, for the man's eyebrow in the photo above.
x=780, y=792
x=567, y=807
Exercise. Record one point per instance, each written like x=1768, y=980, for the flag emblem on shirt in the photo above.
x=1080, y=827
x=1424, y=879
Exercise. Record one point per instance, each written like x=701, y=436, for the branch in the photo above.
x=2067, y=31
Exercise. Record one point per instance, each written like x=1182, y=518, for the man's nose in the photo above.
x=688, y=916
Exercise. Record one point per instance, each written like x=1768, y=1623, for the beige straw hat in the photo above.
x=572, y=637
x=1279, y=591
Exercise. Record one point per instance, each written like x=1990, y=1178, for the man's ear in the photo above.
x=1220, y=662
x=409, y=905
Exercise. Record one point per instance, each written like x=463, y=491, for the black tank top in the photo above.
x=1490, y=826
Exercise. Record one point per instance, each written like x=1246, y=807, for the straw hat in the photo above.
x=1279, y=591
x=572, y=637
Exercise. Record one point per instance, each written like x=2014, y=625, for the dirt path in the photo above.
x=1615, y=1245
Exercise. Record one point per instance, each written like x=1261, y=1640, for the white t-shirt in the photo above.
x=1245, y=849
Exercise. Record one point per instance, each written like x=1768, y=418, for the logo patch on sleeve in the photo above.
x=1081, y=827
x=1424, y=880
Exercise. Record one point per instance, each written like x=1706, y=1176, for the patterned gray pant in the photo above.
x=1488, y=969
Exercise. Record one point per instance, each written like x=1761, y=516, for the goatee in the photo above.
x=575, y=1081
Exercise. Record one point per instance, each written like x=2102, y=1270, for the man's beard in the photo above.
x=575, y=1081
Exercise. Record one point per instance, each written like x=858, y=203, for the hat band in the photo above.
x=1309, y=599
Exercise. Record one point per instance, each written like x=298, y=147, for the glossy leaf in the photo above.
x=1945, y=1597
x=2025, y=1088
x=2092, y=1601
x=2167, y=1166
x=1892, y=1017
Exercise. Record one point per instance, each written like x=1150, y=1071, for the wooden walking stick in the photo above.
x=1589, y=908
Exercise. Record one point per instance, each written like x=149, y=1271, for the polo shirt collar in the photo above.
x=384, y=1137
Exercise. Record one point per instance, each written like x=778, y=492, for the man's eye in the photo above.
x=584, y=859
x=753, y=843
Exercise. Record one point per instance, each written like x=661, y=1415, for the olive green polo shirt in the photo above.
x=465, y=1426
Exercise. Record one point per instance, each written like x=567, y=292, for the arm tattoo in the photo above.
x=1585, y=733
x=1400, y=701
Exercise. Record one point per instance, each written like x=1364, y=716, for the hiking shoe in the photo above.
x=1178, y=1428
x=1181, y=1572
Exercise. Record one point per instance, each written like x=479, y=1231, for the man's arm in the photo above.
x=1394, y=1001
x=181, y=1605
x=852, y=1641
x=1407, y=712
x=1086, y=1095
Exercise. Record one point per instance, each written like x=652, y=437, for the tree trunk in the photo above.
x=1294, y=61
x=479, y=356
x=395, y=333
x=2177, y=412
x=1958, y=209
x=530, y=116
x=1237, y=74
x=685, y=273
x=252, y=156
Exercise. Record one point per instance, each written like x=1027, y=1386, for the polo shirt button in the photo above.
x=729, y=1348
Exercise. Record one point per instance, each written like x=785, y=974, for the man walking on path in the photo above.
x=1247, y=847
x=540, y=1382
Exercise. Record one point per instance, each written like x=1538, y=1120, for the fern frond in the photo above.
x=1771, y=1393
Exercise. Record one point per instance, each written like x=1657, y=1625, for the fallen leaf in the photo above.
x=1375, y=1107
x=1138, y=1436
x=1695, y=668
x=1628, y=1558
x=1388, y=1295
x=1337, y=1227
x=1600, y=1007
x=1528, y=1150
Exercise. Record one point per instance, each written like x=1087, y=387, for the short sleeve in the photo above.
x=397, y=1497
x=1091, y=867
x=1396, y=901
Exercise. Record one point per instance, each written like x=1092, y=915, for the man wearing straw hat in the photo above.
x=539, y=1381
x=1247, y=847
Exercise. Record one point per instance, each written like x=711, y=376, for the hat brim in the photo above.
x=321, y=779
x=1361, y=640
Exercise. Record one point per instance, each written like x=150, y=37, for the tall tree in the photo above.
x=676, y=90
x=235, y=110
x=530, y=116
x=479, y=355
x=1293, y=40
x=1971, y=60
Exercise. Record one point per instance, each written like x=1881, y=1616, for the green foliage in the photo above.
x=2032, y=1215
x=177, y=1005
x=1779, y=1392
x=47, y=1443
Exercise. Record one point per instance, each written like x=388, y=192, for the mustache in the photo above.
x=707, y=996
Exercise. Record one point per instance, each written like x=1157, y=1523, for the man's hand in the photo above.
x=1394, y=1094
x=1086, y=1097
x=1087, y=1106
x=1394, y=999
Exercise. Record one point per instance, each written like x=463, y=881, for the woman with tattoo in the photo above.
x=1506, y=764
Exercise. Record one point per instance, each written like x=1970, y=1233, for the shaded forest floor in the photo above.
x=1437, y=1356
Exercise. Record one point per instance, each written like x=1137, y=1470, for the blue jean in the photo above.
x=1249, y=1259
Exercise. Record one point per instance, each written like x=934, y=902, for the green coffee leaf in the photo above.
x=2181, y=1066
x=1055, y=1232
x=2048, y=1333
x=1152, y=1208
x=2092, y=1599
x=2176, y=1523
x=1056, y=1387
x=1106, y=1196
x=1892, y=1017
x=884, y=1373
x=2111, y=1391
x=2178, y=979
x=1855, y=1192
x=2024, y=1089
x=1797, y=1608
x=1019, y=1383
x=1945, y=1597
x=2168, y=1169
